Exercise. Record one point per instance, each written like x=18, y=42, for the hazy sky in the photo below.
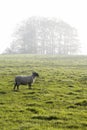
x=12, y=12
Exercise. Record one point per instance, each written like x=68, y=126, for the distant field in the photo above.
x=58, y=99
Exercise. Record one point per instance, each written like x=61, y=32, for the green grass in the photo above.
x=57, y=100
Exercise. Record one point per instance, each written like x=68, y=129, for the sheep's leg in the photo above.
x=18, y=84
x=29, y=86
x=17, y=87
x=15, y=84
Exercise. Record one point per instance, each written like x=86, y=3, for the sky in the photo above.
x=13, y=12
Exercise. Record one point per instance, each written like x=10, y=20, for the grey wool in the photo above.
x=25, y=80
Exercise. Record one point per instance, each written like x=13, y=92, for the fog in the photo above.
x=13, y=12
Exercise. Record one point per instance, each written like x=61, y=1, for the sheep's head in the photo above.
x=35, y=74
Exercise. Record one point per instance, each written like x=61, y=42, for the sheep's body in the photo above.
x=25, y=80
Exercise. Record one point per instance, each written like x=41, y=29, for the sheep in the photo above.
x=25, y=80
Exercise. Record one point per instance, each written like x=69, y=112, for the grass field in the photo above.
x=57, y=100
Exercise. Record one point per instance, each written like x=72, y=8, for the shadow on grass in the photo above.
x=2, y=92
x=29, y=93
x=45, y=117
x=32, y=110
x=83, y=103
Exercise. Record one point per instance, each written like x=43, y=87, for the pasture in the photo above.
x=57, y=100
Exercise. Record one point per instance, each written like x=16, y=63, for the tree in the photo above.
x=39, y=35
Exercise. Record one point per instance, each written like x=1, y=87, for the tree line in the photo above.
x=40, y=35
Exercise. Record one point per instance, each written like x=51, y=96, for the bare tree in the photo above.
x=39, y=35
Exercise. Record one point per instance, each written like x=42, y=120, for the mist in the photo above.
x=42, y=35
x=14, y=13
